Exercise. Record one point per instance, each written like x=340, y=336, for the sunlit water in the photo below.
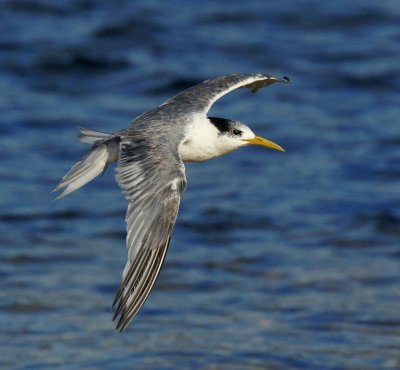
x=278, y=260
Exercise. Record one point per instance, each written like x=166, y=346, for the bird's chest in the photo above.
x=200, y=142
x=194, y=150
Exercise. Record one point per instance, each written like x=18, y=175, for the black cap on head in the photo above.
x=222, y=124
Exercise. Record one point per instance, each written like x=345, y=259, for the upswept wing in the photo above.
x=153, y=180
x=202, y=96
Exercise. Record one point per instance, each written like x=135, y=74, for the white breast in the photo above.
x=201, y=141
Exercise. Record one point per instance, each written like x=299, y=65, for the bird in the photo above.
x=150, y=156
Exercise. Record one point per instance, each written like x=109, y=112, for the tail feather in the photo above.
x=102, y=154
x=90, y=137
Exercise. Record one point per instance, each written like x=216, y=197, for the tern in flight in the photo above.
x=150, y=155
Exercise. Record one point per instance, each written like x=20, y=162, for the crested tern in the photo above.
x=150, y=155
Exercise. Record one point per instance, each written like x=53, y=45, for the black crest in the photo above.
x=222, y=124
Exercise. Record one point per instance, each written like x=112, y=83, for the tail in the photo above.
x=104, y=151
x=90, y=137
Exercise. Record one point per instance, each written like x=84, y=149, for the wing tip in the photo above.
x=124, y=320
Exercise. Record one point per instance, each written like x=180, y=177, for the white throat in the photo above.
x=203, y=141
x=199, y=143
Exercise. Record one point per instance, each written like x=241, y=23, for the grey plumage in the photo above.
x=152, y=175
x=152, y=210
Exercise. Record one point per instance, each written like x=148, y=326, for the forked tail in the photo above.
x=104, y=151
x=90, y=137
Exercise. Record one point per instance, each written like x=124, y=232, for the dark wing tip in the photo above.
x=263, y=81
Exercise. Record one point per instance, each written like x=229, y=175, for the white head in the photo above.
x=212, y=137
x=234, y=134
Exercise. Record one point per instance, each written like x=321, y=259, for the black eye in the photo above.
x=237, y=132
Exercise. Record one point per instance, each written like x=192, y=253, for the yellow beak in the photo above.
x=257, y=140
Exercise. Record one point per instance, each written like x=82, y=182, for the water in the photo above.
x=278, y=261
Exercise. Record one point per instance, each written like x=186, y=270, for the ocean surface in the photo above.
x=278, y=260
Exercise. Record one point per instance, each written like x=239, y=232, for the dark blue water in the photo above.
x=278, y=261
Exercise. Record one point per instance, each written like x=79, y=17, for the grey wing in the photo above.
x=201, y=97
x=152, y=180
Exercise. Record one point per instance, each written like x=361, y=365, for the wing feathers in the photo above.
x=84, y=171
x=149, y=178
x=101, y=155
x=202, y=96
x=153, y=178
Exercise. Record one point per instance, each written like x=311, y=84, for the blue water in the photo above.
x=278, y=260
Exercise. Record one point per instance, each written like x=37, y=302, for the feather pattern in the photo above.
x=153, y=181
x=202, y=96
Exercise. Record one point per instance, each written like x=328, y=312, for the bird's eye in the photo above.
x=237, y=132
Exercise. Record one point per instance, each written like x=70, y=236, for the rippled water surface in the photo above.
x=278, y=261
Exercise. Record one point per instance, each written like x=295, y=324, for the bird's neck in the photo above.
x=202, y=141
